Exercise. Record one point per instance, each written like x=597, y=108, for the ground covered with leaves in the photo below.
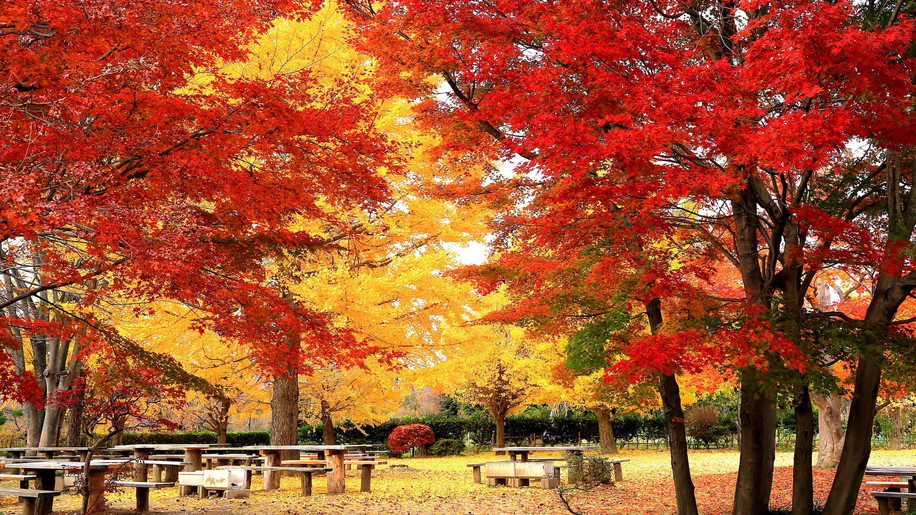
x=443, y=486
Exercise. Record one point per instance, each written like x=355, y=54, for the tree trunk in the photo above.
x=830, y=429
x=802, y=477
x=284, y=409
x=327, y=424
x=34, y=418
x=50, y=428
x=500, y=420
x=757, y=430
x=857, y=445
x=605, y=430
x=222, y=431
x=895, y=437
x=677, y=443
x=684, y=490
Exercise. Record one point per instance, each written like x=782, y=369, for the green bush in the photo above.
x=447, y=447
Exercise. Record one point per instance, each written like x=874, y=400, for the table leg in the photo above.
x=337, y=483
x=365, y=484
x=140, y=471
x=911, y=503
x=96, y=491
x=523, y=456
x=272, y=477
x=46, y=479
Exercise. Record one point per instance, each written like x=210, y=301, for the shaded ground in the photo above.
x=443, y=486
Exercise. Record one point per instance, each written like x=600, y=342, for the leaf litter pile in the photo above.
x=444, y=486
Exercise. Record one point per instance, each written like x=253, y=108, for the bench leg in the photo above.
x=618, y=472
x=884, y=506
x=477, y=475
x=202, y=492
x=142, y=499
x=306, y=484
x=28, y=506
x=248, y=479
x=157, y=473
x=365, y=484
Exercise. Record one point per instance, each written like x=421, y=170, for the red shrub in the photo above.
x=411, y=437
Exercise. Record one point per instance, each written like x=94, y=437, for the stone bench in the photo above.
x=22, y=478
x=888, y=501
x=34, y=502
x=305, y=474
x=142, y=490
x=543, y=474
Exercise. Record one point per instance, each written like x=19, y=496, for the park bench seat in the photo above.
x=305, y=474
x=22, y=478
x=34, y=502
x=475, y=467
x=522, y=473
x=891, y=500
x=888, y=485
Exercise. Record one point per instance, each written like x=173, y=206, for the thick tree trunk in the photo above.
x=889, y=293
x=50, y=429
x=830, y=430
x=757, y=430
x=327, y=424
x=605, y=430
x=857, y=445
x=34, y=418
x=895, y=437
x=684, y=490
x=500, y=420
x=284, y=410
x=802, y=477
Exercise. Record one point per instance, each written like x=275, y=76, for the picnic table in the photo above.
x=908, y=474
x=333, y=454
x=46, y=471
x=521, y=453
x=193, y=456
x=46, y=452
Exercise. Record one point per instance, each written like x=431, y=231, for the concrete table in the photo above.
x=333, y=454
x=521, y=453
x=47, y=471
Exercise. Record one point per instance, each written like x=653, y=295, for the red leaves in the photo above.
x=410, y=436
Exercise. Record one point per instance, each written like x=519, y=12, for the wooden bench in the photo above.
x=34, y=502
x=305, y=474
x=142, y=490
x=522, y=473
x=886, y=499
x=22, y=478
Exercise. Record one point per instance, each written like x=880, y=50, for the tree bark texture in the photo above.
x=284, y=412
x=757, y=430
x=605, y=430
x=327, y=424
x=802, y=477
x=830, y=429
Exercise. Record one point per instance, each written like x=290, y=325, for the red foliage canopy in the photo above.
x=410, y=436
x=129, y=154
